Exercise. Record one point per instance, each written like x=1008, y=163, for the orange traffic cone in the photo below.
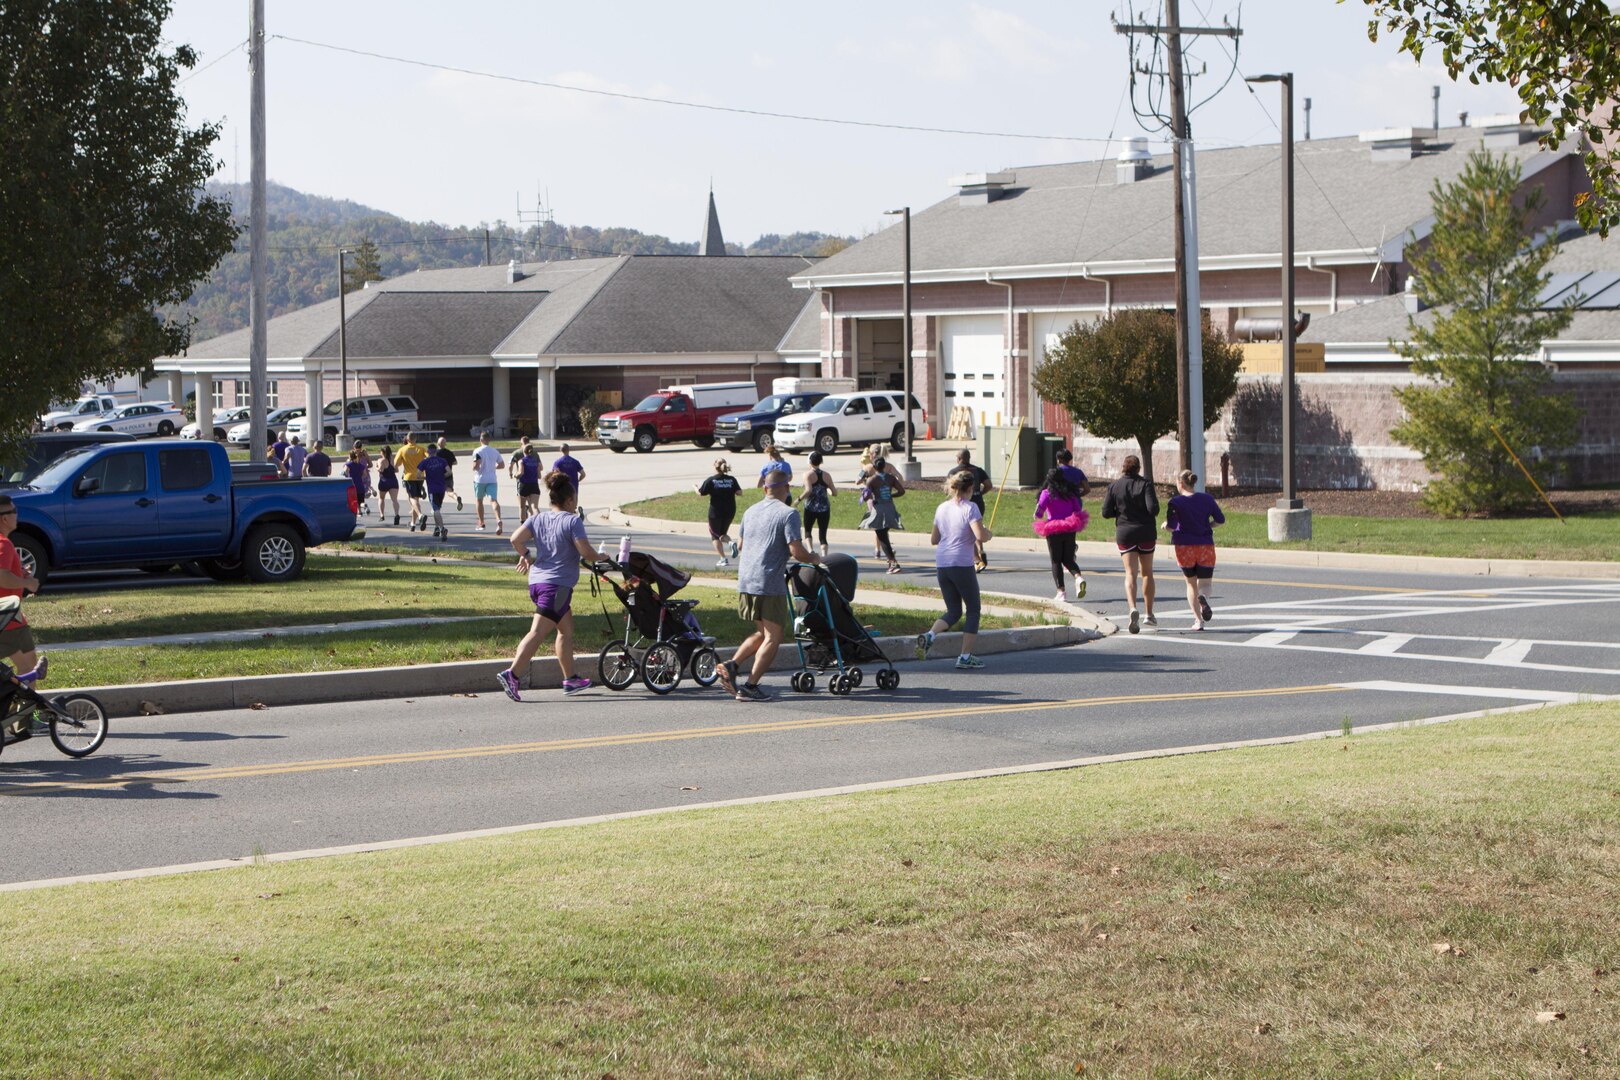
x=928, y=431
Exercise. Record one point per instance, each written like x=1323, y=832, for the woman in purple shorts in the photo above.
x=387, y=484
x=559, y=540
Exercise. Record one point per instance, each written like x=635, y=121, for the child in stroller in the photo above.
x=825, y=628
x=662, y=637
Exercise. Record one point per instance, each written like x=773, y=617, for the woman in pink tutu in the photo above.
x=1059, y=518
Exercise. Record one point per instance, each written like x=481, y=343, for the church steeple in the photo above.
x=712, y=243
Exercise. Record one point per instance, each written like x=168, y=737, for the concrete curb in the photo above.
x=1090, y=549
x=477, y=676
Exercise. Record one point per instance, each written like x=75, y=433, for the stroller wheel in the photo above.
x=838, y=685
x=705, y=665
x=856, y=677
x=803, y=682
x=617, y=666
x=888, y=679
x=661, y=668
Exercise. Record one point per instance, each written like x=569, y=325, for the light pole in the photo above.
x=1288, y=520
x=912, y=468
x=342, y=440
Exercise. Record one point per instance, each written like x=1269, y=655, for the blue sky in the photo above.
x=460, y=149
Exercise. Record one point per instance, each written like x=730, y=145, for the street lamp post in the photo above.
x=1289, y=519
x=912, y=468
x=342, y=440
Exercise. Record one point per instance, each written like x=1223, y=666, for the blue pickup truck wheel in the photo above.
x=273, y=553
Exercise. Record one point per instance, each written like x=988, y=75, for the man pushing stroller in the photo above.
x=770, y=535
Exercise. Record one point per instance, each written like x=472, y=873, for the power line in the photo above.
x=234, y=48
x=646, y=98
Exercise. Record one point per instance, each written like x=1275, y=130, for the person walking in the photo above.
x=387, y=483
x=865, y=473
x=569, y=466
x=450, y=460
x=277, y=452
x=435, y=477
x=1059, y=518
x=818, y=492
x=1134, y=506
x=776, y=462
x=358, y=470
x=296, y=453
x=1191, y=519
x=721, y=490
x=883, y=486
x=317, y=463
x=769, y=536
x=559, y=540
x=486, y=474
x=528, y=473
x=409, y=464
x=959, y=533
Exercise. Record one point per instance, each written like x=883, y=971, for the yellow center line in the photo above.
x=770, y=727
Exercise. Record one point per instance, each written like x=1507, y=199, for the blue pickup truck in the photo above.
x=175, y=501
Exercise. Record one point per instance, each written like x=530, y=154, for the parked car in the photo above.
x=676, y=414
x=756, y=427
x=171, y=501
x=224, y=420
x=388, y=416
x=92, y=407
x=872, y=416
x=142, y=418
x=42, y=449
x=276, y=421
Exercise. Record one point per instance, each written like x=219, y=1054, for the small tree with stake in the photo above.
x=1482, y=272
x=1117, y=376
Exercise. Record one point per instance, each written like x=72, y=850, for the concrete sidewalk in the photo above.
x=1405, y=564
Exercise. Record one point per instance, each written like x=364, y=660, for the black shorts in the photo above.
x=414, y=489
x=529, y=491
x=720, y=526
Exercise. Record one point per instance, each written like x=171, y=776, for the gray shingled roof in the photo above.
x=684, y=304
x=1076, y=213
x=532, y=337
x=410, y=324
x=804, y=336
x=291, y=336
x=1386, y=318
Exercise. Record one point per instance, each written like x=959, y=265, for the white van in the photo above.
x=376, y=417
x=871, y=416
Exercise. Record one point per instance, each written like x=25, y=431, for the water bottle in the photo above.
x=624, y=549
x=601, y=550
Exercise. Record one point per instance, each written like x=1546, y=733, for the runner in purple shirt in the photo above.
x=570, y=467
x=435, y=470
x=559, y=540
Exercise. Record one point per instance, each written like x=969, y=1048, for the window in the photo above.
x=118, y=474
x=377, y=405
x=402, y=404
x=184, y=470
x=217, y=389
x=675, y=405
x=880, y=404
x=856, y=407
x=244, y=394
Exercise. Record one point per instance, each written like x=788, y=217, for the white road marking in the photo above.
x=1558, y=697
x=1212, y=639
x=1512, y=652
x=1385, y=644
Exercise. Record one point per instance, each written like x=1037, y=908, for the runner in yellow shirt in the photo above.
x=409, y=464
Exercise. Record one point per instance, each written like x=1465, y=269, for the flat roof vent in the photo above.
x=976, y=189
x=1135, y=162
x=1398, y=144
x=1503, y=131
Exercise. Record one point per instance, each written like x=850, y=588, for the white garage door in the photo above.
x=973, y=359
x=1047, y=326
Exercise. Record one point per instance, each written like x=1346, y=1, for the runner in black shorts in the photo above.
x=817, y=498
x=721, y=489
x=1134, y=506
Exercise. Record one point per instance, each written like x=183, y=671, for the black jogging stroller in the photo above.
x=829, y=636
x=662, y=637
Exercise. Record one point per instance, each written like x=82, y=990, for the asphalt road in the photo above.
x=1289, y=652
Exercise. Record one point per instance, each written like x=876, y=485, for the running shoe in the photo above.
x=444, y=535
x=38, y=674
x=396, y=519
x=1153, y=620
x=968, y=662
x=1203, y=609
x=500, y=529
x=1079, y=587
x=722, y=564
x=1197, y=626
x=726, y=673
x=731, y=549
x=575, y=685
x=894, y=568
x=752, y=693
x=823, y=551
x=458, y=502
x=478, y=528
x=509, y=683
x=1136, y=622
x=924, y=643
x=1059, y=598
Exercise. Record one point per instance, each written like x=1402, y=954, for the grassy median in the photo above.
x=1590, y=536
x=489, y=603
x=1434, y=901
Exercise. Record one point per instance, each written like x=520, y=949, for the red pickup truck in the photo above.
x=674, y=414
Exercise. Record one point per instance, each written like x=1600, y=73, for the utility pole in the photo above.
x=912, y=468
x=258, y=348
x=342, y=442
x=1189, y=313
x=486, y=247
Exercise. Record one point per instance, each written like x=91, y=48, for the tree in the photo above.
x=1559, y=56
x=1117, y=376
x=1482, y=271
x=102, y=213
x=362, y=266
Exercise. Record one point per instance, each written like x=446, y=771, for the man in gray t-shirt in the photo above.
x=769, y=536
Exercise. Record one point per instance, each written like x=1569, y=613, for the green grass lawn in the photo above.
x=337, y=589
x=1393, y=905
x=1593, y=536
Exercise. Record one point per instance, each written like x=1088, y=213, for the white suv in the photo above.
x=389, y=416
x=871, y=416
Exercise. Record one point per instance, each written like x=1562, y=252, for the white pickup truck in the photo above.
x=86, y=408
x=141, y=418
